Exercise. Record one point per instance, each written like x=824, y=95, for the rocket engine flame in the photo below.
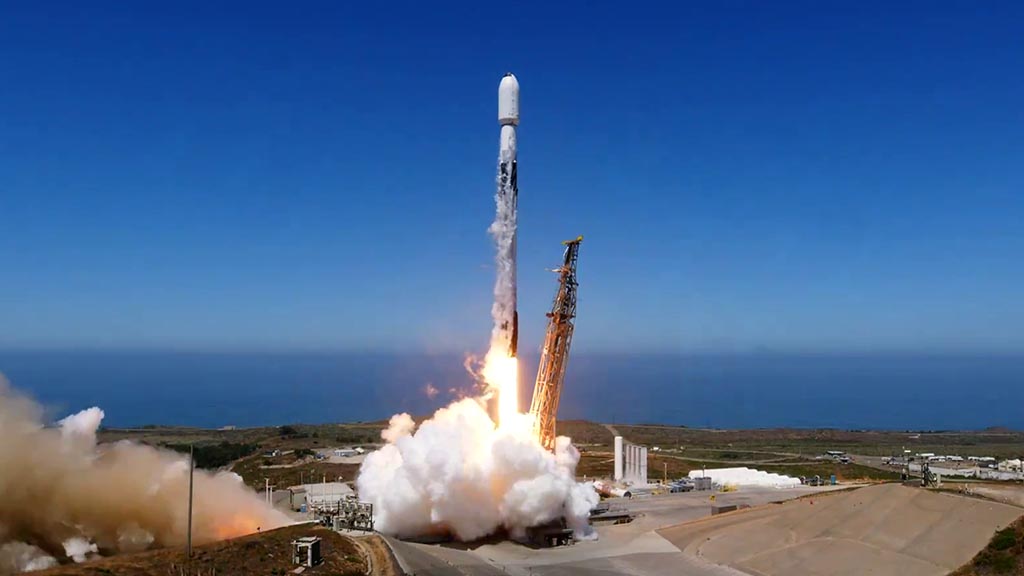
x=501, y=373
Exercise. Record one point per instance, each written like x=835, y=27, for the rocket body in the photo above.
x=507, y=198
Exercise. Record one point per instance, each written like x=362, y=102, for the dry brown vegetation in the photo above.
x=383, y=560
x=265, y=553
x=280, y=437
x=786, y=451
x=815, y=441
x=283, y=470
x=254, y=473
x=584, y=433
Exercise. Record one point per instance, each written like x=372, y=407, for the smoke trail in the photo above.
x=501, y=368
x=457, y=474
x=67, y=499
x=503, y=231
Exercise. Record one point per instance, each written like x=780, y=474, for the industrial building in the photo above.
x=310, y=496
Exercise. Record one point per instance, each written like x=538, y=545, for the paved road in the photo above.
x=424, y=559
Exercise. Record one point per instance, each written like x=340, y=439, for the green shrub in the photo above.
x=215, y=455
x=1003, y=564
x=1004, y=539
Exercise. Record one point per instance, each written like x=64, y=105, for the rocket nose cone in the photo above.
x=509, y=82
x=508, y=100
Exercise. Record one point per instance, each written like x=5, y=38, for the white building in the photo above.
x=1009, y=465
x=618, y=459
x=746, y=477
x=630, y=463
x=320, y=494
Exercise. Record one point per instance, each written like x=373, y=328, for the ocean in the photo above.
x=869, y=391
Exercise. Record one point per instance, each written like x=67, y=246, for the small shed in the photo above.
x=306, y=551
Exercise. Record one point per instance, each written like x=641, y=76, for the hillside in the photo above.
x=1003, y=555
x=266, y=553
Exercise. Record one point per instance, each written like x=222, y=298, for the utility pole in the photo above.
x=191, y=477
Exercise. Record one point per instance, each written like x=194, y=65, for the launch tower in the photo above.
x=555, y=355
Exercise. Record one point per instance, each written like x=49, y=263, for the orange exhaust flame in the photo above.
x=502, y=374
x=235, y=526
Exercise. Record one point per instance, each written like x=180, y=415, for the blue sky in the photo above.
x=748, y=176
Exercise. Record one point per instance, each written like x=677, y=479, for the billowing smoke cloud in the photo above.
x=457, y=474
x=67, y=499
x=18, y=557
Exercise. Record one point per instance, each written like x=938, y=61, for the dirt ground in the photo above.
x=886, y=529
x=382, y=561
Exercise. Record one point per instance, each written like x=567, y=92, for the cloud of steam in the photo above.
x=79, y=549
x=457, y=474
x=66, y=499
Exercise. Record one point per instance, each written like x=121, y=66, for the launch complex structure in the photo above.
x=555, y=355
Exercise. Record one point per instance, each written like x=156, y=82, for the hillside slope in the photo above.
x=265, y=553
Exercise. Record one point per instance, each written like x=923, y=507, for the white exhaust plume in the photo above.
x=503, y=230
x=67, y=499
x=79, y=549
x=459, y=475
x=501, y=366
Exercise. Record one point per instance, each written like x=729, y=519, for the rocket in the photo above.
x=508, y=199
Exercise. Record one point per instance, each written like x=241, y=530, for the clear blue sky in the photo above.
x=748, y=176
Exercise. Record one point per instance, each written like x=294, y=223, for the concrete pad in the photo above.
x=1006, y=493
x=635, y=548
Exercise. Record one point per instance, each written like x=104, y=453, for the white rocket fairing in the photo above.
x=508, y=199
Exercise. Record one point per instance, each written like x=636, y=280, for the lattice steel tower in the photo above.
x=555, y=355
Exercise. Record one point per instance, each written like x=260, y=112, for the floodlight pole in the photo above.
x=191, y=475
